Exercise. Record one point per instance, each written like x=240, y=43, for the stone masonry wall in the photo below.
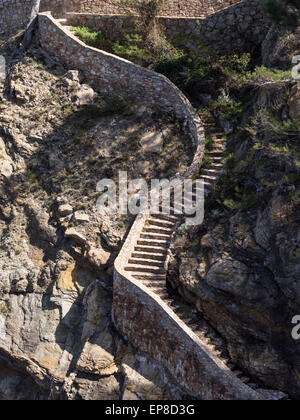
x=239, y=28
x=16, y=13
x=57, y=7
x=171, y=7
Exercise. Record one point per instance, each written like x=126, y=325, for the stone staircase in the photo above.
x=194, y=320
x=148, y=262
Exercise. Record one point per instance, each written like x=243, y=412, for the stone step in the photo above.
x=150, y=242
x=210, y=172
x=168, y=301
x=159, y=230
x=155, y=236
x=156, y=250
x=158, y=222
x=136, y=261
x=193, y=323
x=163, y=216
x=62, y=21
x=199, y=333
x=216, y=166
x=218, y=147
x=218, y=137
x=218, y=353
x=216, y=154
x=215, y=160
x=143, y=255
x=194, y=327
x=144, y=269
x=209, y=178
x=245, y=379
x=150, y=276
x=155, y=284
x=186, y=320
x=163, y=294
x=207, y=186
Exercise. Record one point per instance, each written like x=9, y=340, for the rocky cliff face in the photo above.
x=57, y=339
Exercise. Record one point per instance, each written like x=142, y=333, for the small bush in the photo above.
x=283, y=12
x=93, y=38
x=228, y=107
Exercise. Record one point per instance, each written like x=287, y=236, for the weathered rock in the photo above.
x=74, y=76
x=84, y=95
x=76, y=236
x=57, y=340
x=98, y=257
x=153, y=142
x=6, y=166
x=65, y=210
x=98, y=357
x=81, y=217
x=20, y=92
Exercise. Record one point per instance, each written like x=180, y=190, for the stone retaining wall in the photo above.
x=241, y=27
x=171, y=7
x=238, y=26
x=16, y=13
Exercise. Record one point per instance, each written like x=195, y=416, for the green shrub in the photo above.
x=262, y=73
x=286, y=128
x=283, y=12
x=93, y=38
x=228, y=107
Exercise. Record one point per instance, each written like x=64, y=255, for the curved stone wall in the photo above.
x=115, y=76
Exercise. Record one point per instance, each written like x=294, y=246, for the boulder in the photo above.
x=65, y=210
x=152, y=142
x=6, y=168
x=84, y=95
x=76, y=236
x=98, y=257
x=81, y=217
x=74, y=76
